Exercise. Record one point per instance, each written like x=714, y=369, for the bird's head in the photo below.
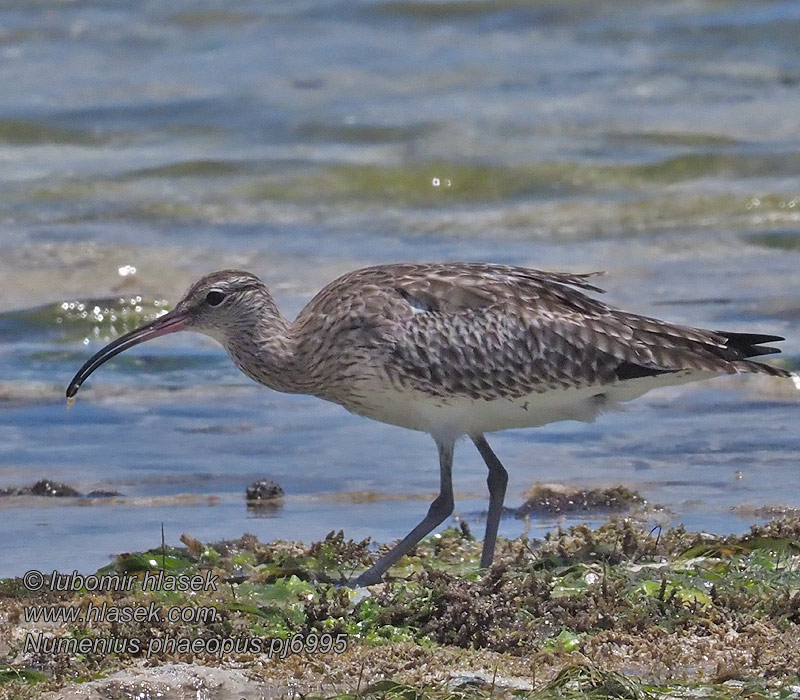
x=224, y=305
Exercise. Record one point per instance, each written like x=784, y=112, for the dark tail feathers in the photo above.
x=749, y=344
x=733, y=357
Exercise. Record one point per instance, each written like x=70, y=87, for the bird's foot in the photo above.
x=368, y=578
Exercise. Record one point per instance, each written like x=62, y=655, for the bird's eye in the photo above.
x=214, y=297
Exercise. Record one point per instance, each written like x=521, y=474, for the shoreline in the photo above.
x=618, y=611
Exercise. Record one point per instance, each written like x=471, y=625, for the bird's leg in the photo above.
x=439, y=510
x=497, y=481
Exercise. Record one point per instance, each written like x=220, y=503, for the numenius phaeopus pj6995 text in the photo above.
x=451, y=349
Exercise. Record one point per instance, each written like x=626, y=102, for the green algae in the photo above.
x=76, y=319
x=191, y=168
x=578, y=681
x=674, y=138
x=672, y=600
x=576, y=199
x=431, y=183
x=465, y=9
x=364, y=133
x=541, y=499
x=199, y=19
x=434, y=183
x=780, y=240
x=29, y=133
x=423, y=184
x=691, y=166
x=167, y=559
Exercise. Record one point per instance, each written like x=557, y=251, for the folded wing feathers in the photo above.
x=638, y=344
x=504, y=311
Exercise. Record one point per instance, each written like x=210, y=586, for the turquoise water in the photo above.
x=144, y=144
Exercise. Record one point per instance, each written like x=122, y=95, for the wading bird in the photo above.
x=452, y=349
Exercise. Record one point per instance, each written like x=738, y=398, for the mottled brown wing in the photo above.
x=490, y=331
x=510, y=335
x=451, y=286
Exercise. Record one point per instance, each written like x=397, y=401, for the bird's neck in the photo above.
x=265, y=352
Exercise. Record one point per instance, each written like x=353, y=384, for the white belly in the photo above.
x=455, y=416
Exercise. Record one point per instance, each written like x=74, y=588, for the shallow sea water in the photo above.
x=300, y=140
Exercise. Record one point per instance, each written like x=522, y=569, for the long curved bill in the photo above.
x=172, y=322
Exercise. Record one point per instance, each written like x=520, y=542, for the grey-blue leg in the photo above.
x=497, y=482
x=439, y=511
